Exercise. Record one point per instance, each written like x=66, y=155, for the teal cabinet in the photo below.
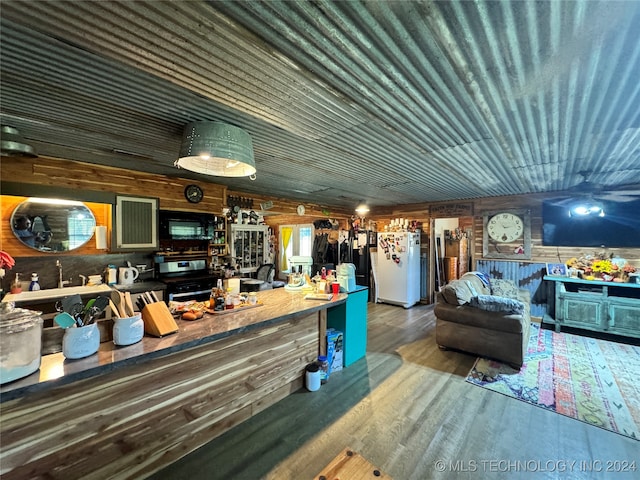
x=351, y=319
x=594, y=305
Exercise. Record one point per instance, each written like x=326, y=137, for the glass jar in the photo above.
x=20, y=342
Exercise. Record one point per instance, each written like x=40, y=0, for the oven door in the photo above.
x=197, y=295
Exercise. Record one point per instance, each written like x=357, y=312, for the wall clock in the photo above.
x=300, y=210
x=193, y=193
x=506, y=234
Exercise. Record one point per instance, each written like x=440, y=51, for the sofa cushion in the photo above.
x=493, y=303
x=504, y=288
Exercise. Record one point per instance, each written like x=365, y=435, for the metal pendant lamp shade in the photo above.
x=215, y=148
x=13, y=144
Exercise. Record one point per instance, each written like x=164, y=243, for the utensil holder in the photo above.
x=127, y=331
x=80, y=342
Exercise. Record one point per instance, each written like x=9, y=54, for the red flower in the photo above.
x=6, y=260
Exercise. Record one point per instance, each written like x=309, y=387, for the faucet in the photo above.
x=61, y=283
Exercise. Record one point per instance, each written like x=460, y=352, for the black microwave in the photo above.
x=175, y=225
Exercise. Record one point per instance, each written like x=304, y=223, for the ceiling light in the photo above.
x=215, y=148
x=586, y=209
x=362, y=209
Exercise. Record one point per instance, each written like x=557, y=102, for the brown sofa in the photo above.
x=486, y=317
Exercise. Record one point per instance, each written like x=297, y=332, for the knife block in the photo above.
x=158, y=320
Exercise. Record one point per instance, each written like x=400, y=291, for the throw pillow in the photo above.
x=504, y=288
x=492, y=303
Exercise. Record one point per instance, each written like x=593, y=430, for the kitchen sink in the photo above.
x=52, y=293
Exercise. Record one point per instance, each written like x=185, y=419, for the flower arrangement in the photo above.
x=601, y=266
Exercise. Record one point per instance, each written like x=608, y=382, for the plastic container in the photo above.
x=312, y=377
x=20, y=342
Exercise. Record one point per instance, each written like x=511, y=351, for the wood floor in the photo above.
x=407, y=409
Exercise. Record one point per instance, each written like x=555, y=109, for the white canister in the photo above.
x=80, y=342
x=312, y=377
x=127, y=331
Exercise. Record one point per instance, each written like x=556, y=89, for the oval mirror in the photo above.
x=53, y=225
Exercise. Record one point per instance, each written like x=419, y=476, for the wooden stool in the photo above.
x=349, y=465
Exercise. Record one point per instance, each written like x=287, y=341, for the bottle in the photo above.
x=228, y=299
x=16, y=286
x=34, y=285
x=219, y=297
x=324, y=368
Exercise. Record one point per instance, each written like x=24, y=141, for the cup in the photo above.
x=252, y=298
x=335, y=288
x=127, y=331
x=80, y=342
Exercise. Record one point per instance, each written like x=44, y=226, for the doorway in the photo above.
x=452, y=252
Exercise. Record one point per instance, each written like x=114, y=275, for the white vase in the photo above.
x=127, y=331
x=80, y=342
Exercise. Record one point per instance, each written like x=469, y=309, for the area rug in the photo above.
x=595, y=381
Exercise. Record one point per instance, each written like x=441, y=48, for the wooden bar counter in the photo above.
x=126, y=412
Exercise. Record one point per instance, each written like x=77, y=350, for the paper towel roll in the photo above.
x=101, y=237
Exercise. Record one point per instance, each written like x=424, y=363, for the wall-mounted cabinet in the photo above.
x=136, y=223
x=249, y=246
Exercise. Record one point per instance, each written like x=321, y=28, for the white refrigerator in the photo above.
x=398, y=268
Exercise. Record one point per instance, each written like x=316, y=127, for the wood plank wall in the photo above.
x=132, y=422
x=532, y=202
x=80, y=176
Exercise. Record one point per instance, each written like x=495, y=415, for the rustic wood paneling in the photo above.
x=86, y=176
x=133, y=421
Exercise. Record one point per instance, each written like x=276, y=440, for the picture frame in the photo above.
x=557, y=269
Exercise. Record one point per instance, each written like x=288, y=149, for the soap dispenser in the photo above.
x=34, y=285
x=16, y=285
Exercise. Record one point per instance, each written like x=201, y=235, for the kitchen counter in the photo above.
x=127, y=412
x=277, y=305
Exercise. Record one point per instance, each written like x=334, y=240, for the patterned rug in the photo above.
x=592, y=380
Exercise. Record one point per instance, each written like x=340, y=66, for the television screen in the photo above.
x=616, y=226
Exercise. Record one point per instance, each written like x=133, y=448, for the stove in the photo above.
x=187, y=279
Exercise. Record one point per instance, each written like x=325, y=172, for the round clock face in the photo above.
x=301, y=209
x=193, y=193
x=505, y=227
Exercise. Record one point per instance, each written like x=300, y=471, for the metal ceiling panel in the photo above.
x=380, y=101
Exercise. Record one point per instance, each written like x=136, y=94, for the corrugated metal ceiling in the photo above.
x=385, y=101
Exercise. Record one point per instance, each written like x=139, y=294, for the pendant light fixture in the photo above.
x=13, y=144
x=215, y=148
